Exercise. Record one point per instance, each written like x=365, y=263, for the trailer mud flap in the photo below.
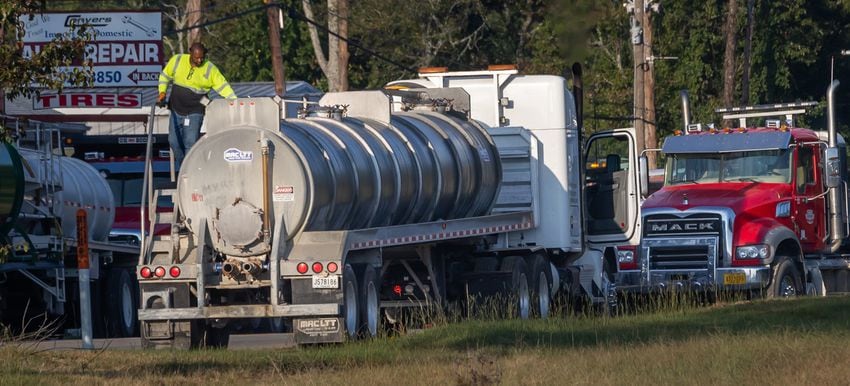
x=158, y=329
x=318, y=330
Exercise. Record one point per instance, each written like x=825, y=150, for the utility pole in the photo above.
x=650, y=129
x=275, y=16
x=636, y=9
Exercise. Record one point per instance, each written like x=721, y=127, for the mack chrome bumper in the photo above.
x=722, y=279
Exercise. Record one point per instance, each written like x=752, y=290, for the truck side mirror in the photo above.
x=833, y=167
x=643, y=171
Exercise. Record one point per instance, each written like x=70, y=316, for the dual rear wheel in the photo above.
x=362, y=301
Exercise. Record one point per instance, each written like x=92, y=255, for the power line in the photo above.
x=293, y=14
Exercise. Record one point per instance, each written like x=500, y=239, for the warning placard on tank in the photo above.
x=283, y=193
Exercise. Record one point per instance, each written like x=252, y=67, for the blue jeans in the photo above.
x=181, y=137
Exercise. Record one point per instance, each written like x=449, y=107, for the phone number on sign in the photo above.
x=107, y=77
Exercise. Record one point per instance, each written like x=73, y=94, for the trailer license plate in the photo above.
x=330, y=281
x=734, y=278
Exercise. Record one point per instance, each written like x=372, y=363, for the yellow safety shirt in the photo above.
x=199, y=80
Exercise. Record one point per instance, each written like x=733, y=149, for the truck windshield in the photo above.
x=127, y=189
x=748, y=166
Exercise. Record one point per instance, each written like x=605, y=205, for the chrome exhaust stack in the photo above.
x=837, y=215
x=686, y=109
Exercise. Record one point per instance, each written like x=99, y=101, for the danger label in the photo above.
x=283, y=194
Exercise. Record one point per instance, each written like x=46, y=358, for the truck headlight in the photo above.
x=625, y=256
x=760, y=251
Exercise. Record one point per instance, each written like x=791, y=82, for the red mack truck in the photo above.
x=758, y=209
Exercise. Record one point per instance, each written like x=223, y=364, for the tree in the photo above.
x=48, y=66
x=194, y=16
x=335, y=63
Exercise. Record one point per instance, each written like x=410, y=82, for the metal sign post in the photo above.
x=83, y=276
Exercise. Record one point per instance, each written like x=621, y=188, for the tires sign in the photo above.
x=126, y=50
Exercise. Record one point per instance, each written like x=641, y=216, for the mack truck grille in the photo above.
x=682, y=243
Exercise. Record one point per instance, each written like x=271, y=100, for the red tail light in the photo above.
x=159, y=272
x=397, y=289
x=332, y=267
x=301, y=268
x=174, y=271
x=627, y=257
x=317, y=267
x=145, y=272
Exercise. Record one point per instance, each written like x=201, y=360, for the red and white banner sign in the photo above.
x=87, y=99
x=126, y=50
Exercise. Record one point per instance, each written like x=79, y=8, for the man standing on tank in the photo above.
x=193, y=77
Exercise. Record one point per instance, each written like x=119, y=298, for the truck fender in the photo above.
x=783, y=241
x=771, y=232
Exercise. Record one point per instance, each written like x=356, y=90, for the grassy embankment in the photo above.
x=803, y=341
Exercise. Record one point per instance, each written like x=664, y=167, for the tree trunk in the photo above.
x=274, y=43
x=335, y=64
x=748, y=47
x=650, y=137
x=731, y=33
x=194, y=16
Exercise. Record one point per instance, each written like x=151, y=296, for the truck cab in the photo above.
x=743, y=209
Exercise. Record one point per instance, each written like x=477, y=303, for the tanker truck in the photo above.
x=40, y=196
x=452, y=186
x=753, y=209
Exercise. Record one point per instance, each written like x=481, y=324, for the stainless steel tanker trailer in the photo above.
x=41, y=193
x=430, y=191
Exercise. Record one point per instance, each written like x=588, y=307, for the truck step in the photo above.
x=165, y=192
x=164, y=218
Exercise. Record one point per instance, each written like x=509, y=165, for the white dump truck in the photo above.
x=453, y=186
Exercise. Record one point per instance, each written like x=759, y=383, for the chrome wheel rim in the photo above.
x=350, y=309
x=787, y=288
x=543, y=295
x=127, y=307
x=372, y=309
x=524, y=297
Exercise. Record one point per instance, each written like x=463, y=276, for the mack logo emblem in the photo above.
x=672, y=227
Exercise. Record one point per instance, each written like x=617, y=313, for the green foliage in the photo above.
x=18, y=73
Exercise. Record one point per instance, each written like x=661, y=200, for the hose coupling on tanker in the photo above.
x=238, y=268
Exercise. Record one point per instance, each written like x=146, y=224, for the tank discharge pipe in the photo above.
x=836, y=195
x=264, y=149
x=229, y=268
x=251, y=267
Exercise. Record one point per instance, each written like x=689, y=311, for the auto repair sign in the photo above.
x=126, y=50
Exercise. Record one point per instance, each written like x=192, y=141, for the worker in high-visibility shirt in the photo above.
x=193, y=77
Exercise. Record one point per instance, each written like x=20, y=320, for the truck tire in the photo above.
x=370, y=302
x=122, y=294
x=786, y=280
x=350, y=295
x=520, y=288
x=541, y=273
x=611, y=302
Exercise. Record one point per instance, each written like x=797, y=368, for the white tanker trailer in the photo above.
x=40, y=196
x=375, y=201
